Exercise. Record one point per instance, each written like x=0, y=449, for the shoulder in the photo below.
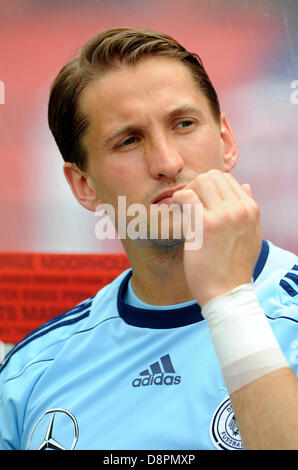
x=42, y=345
x=35, y=363
x=277, y=284
x=287, y=265
x=276, y=265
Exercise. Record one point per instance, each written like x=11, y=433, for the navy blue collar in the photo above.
x=176, y=317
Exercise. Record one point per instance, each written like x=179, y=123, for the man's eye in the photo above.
x=185, y=124
x=127, y=142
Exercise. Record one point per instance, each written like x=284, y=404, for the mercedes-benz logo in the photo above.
x=50, y=442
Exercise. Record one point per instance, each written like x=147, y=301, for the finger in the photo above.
x=240, y=190
x=247, y=189
x=205, y=188
x=245, y=196
x=224, y=188
x=186, y=196
x=192, y=212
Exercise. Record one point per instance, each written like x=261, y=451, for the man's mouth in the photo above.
x=166, y=196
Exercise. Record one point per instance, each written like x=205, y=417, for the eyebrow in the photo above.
x=131, y=128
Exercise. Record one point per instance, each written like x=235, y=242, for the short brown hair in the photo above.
x=102, y=52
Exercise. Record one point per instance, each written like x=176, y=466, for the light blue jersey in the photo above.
x=115, y=375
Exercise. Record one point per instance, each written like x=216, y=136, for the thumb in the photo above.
x=185, y=196
x=192, y=214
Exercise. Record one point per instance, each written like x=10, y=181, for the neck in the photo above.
x=158, y=272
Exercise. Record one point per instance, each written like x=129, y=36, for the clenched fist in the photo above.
x=231, y=235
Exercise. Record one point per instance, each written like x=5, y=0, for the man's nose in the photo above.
x=164, y=159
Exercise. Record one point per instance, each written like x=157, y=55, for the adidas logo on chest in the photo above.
x=161, y=372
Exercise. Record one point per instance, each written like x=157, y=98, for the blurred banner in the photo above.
x=250, y=50
x=36, y=287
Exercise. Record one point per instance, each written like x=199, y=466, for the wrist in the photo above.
x=217, y=292
x=243, y=339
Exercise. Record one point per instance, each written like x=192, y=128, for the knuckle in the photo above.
x=214, y=172
x=242, y=213
x=201, y=179
x=210, y=224
x=226, y=216
x=202, y=176
x=234, y=215
x=256, y=209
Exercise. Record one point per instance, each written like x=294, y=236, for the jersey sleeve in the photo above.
x=18, y=376
x=289, y=314
x=24, y=366
x=8, y=422
x=8, y=407
x=286, y=316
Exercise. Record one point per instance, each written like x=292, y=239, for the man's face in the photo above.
x=151, y=129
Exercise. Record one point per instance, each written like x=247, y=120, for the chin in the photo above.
x=162, y=244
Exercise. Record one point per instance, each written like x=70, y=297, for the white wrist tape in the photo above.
x=242, y=337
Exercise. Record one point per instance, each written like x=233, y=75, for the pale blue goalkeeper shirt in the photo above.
x=112, y=375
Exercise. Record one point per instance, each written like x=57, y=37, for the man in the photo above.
x=176, y=353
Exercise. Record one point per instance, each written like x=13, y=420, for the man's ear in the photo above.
x=81, y=186
x=230, y=149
